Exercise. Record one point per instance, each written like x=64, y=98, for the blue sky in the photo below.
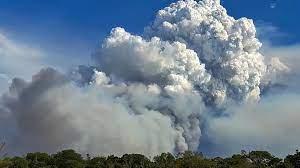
x=73, y=29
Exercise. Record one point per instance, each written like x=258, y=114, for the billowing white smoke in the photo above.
x=228, y=47
x=146, y=94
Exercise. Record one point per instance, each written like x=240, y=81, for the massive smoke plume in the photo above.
x=152, y=93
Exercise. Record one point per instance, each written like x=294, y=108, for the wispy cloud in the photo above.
x=17, y=60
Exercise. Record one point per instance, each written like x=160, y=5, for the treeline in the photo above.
x=71, y=159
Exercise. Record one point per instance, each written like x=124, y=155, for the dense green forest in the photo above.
x=71, y=159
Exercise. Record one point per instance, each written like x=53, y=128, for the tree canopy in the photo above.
x=72, y=159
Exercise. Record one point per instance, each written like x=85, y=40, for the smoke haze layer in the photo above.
x=195, y=69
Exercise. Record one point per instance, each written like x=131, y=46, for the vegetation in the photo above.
x=71, y=159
